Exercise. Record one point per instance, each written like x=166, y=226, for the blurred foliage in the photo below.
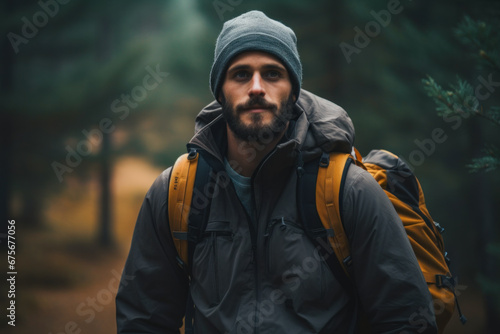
x=91, y=58
x=490, y=285
x=463, y=100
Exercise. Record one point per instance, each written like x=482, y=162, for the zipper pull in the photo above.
x=283, y=224
x=269, y=227
x=300, y=164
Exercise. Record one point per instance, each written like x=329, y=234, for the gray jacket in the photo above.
x=263, y=274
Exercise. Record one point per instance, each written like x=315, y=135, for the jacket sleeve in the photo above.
x=153, y=288
x=391, y=289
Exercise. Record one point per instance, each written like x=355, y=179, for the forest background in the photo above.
x=97, y=98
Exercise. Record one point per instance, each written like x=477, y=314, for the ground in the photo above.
x=85, y=308
x=66, y=281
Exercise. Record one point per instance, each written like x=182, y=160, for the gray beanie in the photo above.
x=254, y=31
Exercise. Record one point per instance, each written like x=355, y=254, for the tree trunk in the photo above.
x=105, y=230
x=483, y=211
x=6, y=82
x=105, y=220
x=5, y=172
x=487, y=233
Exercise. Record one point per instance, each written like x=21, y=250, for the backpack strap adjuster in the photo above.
x=450, y=283
x=192, y=154
x=446, y=282
x=347, y=262
x=324, y=161
x=180, y=235
x=439, y=227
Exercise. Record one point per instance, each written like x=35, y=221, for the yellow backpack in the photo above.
x=319, y=187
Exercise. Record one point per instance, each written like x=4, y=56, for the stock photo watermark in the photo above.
x=427, y=146
x=292, y=279
x=222, y=6
x=11, y=272
x=372, y=29
x=30, y=28
x=121, y=107
x=424, y=316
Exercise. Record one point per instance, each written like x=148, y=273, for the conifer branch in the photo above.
x=461, y=98
x=492, y=115
x=486, y=163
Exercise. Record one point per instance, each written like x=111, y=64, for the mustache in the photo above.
x=256, y=101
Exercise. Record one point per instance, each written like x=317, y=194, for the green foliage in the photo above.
x=460, y=100
x=62, y=87
x=464, y=100
x=59, y=82
x=482, y=37
x=488, y=162
x=494, y=249
x=491, y=286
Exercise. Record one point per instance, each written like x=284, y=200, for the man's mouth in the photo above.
x=256, y=105
x=256, y=109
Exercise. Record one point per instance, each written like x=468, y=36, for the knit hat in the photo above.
x=254, y=31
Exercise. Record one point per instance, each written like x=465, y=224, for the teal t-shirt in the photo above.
x=243, y=186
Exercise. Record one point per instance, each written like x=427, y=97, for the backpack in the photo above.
x=319, y=186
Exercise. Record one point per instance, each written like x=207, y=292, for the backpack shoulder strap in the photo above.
x=319, y=202
x=187, y=218
x=188, y=208
x=329, y=186
x=320, y=185
x=180, y=193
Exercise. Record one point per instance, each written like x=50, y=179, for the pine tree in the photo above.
x=463, y=100
x=58, y=83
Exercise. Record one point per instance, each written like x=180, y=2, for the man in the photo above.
x=255, y=271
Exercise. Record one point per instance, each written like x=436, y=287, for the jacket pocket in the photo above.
x=209, y=265
x=294, y=265
x=280, y=224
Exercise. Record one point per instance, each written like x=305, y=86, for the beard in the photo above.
x=256, y=131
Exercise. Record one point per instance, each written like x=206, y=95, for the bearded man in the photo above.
x=253, y=269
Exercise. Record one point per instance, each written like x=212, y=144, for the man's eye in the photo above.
x=273, y=74
x=241, y=75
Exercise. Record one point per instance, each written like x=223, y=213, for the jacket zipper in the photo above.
x=254, y=229
x=256, y=239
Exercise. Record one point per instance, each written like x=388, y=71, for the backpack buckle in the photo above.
x=321, y=233
x=324, y=161
x=447, y=259
x=180, y=235
x=347, y=261
x=192, y=155
x=439, y=227
x=446, y=282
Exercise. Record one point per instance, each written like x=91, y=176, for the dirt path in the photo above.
x=89, y=308
x=66, y=283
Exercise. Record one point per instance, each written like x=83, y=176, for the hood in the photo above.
x=321, y=126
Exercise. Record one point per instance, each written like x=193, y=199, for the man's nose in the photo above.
x=256, y=86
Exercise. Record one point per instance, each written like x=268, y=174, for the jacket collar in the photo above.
x=320, y=126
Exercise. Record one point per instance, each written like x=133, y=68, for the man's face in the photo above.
x=256, y=96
